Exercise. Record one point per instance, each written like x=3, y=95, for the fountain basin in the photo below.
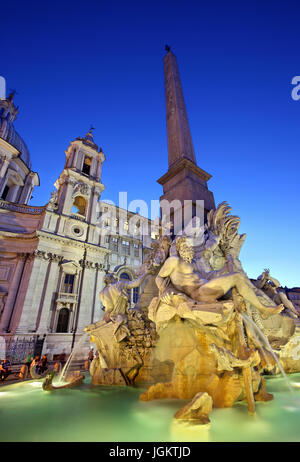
x=115, y=414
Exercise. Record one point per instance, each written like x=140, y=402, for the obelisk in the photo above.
x=184, y=180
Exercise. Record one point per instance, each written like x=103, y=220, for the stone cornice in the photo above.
x=72, y=242
x=70, y=174
x=88, y=264
x=19, y=236
x=181, y=165
x=9, y=147
x=49, y=256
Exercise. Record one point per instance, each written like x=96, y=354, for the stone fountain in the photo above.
x=201, y=330
x=188, y=336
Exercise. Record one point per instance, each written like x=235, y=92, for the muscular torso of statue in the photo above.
x=184, y=276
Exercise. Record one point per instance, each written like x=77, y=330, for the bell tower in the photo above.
x=78, y=190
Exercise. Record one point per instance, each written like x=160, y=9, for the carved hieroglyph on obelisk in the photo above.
x=184, y=180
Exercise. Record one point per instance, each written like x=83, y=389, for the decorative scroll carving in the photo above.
x=81, y=188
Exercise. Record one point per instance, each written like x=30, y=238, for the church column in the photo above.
x=34, y=293
x=93, y=206
x=75, y=159
x=22, y=291
x=85, y=302
x=65, y=201
x=26, y=190
x=98, y=172
x=4, y=166
x=51, y=283
x=98, y=313
x=13, y=288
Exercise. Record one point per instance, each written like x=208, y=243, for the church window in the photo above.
x=125, y=247
x=68, y=283
x=79, y=205
x=136, y=250
x=114, y=244
x=86, y=168
x=63, y=320
x=125, y=276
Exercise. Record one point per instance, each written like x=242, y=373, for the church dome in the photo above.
x=12, y=137
x=8, y=114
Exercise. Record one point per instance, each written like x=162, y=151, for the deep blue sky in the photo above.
x=101, y=62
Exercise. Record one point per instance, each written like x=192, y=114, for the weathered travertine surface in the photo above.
x=198, y=409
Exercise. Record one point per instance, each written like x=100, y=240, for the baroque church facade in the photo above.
x=53, y=258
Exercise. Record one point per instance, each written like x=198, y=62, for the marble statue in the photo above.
x=157, y=256
x=114, y=298
x=187, y=276
x=271, y=287
x=52, y=204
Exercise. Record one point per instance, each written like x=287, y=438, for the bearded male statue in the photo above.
x=186, y=276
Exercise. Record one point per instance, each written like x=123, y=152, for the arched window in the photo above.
x=125, y=276
x=79, y=205
x=87, y=163
x=63, y=320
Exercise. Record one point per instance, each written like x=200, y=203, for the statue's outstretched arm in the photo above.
x=136, y=282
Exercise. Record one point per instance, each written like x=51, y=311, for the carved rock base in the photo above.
x=197, y=410
x=109, y=377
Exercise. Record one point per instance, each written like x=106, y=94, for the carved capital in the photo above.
x=40, y=254
x=52, y=257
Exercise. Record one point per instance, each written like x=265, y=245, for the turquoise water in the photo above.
x=87, y=413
